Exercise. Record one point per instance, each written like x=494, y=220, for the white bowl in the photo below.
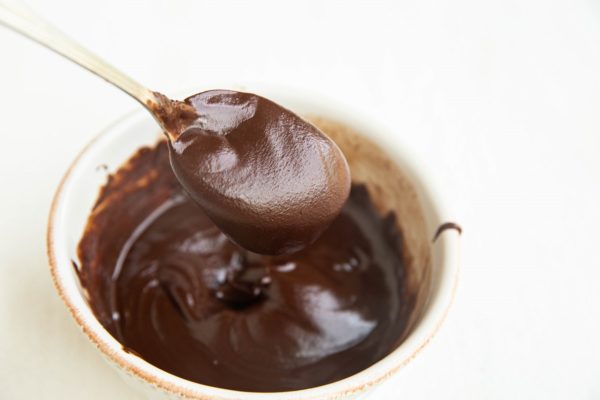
x=78, y=191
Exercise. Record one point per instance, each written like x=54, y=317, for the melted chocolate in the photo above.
x=267, y=178
x=170, y=286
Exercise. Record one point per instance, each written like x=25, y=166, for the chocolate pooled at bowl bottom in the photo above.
x=168, y=285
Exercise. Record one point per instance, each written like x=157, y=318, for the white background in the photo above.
x=501, y=98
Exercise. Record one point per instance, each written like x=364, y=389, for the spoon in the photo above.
x=271, y=181
x=21, y=19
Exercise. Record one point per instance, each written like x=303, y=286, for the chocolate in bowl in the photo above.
x=167, y=284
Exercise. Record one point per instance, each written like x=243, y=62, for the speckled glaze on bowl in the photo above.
x=78, y=190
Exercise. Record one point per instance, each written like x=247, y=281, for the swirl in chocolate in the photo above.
x=171, y=287
x=267, y=178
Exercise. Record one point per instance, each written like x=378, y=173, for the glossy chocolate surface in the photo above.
x=267, y=178
x=171, y=287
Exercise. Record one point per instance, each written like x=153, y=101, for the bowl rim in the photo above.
x=433, y=317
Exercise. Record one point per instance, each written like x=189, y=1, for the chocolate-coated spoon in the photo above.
x=270, y=180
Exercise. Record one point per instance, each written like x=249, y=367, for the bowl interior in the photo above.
x=391, y=182
x=391, y=190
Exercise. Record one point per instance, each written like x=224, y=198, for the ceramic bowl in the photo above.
x=420, y=208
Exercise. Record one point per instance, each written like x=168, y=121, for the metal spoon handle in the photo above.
x=19, y=18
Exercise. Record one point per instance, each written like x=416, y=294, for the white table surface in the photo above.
x=501, y=97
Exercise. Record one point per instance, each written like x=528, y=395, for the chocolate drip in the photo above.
x=445, y=226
